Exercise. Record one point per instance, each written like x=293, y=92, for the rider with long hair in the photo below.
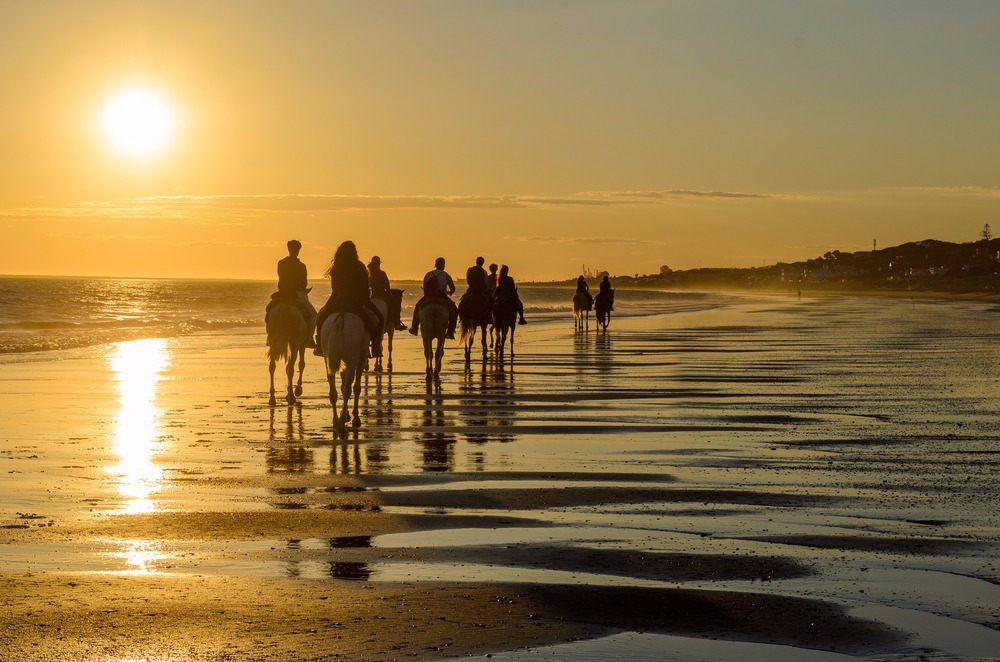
x=349, y=294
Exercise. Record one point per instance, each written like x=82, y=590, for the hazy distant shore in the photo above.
x=770, y=471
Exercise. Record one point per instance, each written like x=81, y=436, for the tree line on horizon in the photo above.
x=928, y=264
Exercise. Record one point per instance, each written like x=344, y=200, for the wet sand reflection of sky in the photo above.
x=137, y=367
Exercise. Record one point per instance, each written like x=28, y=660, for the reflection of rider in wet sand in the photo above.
x=378, y=282
x=506, y=287
x=293, y=287
x=583, y=288
x=349, y=294
x=437, y=286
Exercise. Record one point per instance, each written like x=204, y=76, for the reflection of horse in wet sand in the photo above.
x=433, y=326
x=505, y=321
x=604, y=304
x=581, y=310
x=473, y=313
x=286, y=341
x=344, y=340
x=388, y=310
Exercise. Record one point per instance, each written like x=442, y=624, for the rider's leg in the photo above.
x=520, y=311
x=397, y=309
x=310, y=315
x=320, y=318
x=452, y=319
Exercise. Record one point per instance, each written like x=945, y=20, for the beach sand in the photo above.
x=787, y=476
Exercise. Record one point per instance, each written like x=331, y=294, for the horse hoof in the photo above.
x=272, y=401
x=356, y=423
x=298, y=391
x=377, y=368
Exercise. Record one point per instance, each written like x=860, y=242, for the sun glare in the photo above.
x=138, y=122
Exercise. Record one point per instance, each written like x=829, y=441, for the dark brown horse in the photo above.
x=505, y=322
x=603, y=305
x=390, y=314
x=473, y=312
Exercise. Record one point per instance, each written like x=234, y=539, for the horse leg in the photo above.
x=482, y=335
x=438, y=355
x=346, y=378
x=389, y=345
x=331, y=380
x=512, y=341
x=428, y=358
x=357, y=395
x=302, y=367
x=270, y=369
x=290, y=373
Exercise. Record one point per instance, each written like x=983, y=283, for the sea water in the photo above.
x=39, y=314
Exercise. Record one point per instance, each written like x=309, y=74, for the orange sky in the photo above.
x=622, y=136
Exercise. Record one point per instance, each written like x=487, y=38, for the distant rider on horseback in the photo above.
x=293, y=287
x=378, y=283
x=349, y=294
x=606, y=289
x=506, y=287
x=583, y=288
x=437, y=286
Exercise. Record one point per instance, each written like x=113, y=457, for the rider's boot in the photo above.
x=400, y=326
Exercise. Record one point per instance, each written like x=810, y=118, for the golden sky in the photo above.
x=544, y=135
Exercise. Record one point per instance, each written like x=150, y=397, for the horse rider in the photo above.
x=583, y=288
x=349, y=294
x=477, y=281
x=506, y=287
x=492, y=281
x=437, y=285
x=606, y=289
x=293, y=287
x=378, y=283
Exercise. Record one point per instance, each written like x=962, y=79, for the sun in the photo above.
x=138, y=122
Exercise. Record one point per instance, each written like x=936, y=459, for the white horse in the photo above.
x=344, y=340
x=581, y=310
x=389, y=315
x=286, y=341
x=433, y=326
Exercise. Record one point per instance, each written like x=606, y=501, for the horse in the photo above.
x=286, y=341
x=389, y=314
x=433, y=326
x=473, y=313
x=581, y=310
x=603, y=304
x=344, y=340
x=505, y=321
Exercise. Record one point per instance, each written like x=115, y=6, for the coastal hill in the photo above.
x=923, y=266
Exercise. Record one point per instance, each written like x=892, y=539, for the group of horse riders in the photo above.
x=353, y=286
x=605, y=288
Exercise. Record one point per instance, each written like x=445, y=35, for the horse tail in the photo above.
x=279, y=333
x=335, y=352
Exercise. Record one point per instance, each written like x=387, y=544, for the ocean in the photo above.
x=42, y=314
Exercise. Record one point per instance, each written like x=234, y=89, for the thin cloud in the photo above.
x=578, y=240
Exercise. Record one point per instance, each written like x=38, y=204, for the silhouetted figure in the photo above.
x=476, y=277
x=606, y=289
x=378, y=283
x=492, y=280
x=437, y=285
x=583, y=288
x=349, y=294
x=293, y=287
x=506, y=287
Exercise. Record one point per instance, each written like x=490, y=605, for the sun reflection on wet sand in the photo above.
x=140, y=556
x=137, y=366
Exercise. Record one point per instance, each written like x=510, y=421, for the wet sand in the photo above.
x=815, y=473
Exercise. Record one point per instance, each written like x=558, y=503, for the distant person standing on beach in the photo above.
x=506, y=287
x=293, y=287
x=437, y=285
